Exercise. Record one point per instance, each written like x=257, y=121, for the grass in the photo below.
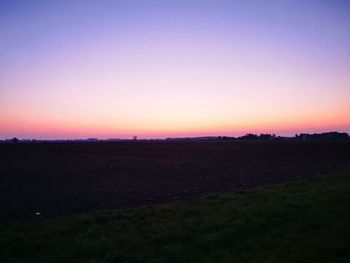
x=303, y=221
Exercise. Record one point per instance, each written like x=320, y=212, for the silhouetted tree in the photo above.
x=249, y=136
x=266, y=136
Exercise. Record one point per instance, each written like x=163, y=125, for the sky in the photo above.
x=156, y=69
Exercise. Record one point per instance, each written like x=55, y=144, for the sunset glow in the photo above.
x=156, y=69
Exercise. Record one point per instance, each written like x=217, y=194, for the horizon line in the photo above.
x=135, y=137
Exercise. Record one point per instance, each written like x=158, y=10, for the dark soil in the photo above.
x=45, y=180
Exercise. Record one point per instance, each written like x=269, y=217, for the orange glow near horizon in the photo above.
x=284, y=126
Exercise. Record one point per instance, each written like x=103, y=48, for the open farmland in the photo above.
x=307, y=220
x=45, y=180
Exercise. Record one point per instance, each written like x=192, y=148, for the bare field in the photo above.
x=45, y=180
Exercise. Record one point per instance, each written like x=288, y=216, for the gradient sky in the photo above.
x=77, y=69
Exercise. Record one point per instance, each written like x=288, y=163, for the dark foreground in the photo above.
x=45, y=180
x=303, y=221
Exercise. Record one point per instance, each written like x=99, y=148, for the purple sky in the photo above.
x=75, y=69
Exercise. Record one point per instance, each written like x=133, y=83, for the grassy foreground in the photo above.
x=303, y=221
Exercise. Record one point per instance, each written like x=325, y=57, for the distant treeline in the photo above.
x=326, y=135
x=247, y=137
x=267, y=136
x=301, y=136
